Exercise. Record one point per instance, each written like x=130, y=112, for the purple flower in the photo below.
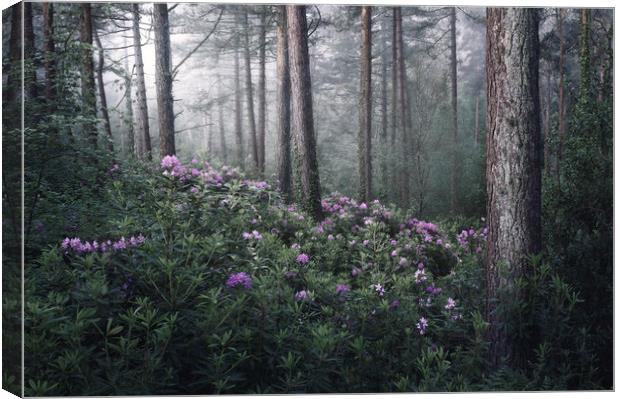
x=295, y=246
x=257, y=235
x=330, y=237
x=379, y=289
x=303, y=258
x=363, y=206
x=170, y=162
x=239, y=279
x=356, y=271
x=365, y=242
x=290, y=274
x=420, y=276
x=393, y=243
x=422, y=325
x=342, y=288
x=194, y=190
x=451, y=303
x=394, y=253
x=403, y=262
x=302, y=296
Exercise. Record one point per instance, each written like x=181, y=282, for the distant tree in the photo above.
x=103, y=102
x=49, y=52
x=283, y=127
x=143, y=135
x=220, y=112
x=262, y=46
x=250, y=90
x=240, y=157
x=405, y=119
x=163, y=79
x=87, y=73
x=307, y=170
x=365, y=110
x=561, y=99
x=456, y=164
x=30, y=72
x=513, y=169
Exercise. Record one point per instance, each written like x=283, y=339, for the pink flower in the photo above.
x=303, y=258
x=451, y=303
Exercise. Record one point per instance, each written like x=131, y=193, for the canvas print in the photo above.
x=207, y=198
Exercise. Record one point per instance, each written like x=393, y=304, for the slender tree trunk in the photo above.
x=250, y=91
x=14, y=83
x=547, y=151
x=404, y=110
x=220, y=110
x=394, y=122
x=456, y=167
x=261, y=91
x=307, y=168
x=283, y=87
x=102, y=97
x=143, y=136
x=365, y=110
x=163, y=80
x=585, y=78
x=238, y=110
x=30, y=84
x=513, y=170
x=128, y=117
x=49, y=49
x=87, y=74
x=561, y=100
x=384, y=113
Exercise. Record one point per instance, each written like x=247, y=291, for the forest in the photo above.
x=186, y=212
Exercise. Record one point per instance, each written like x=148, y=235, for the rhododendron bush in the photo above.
x=206, y=282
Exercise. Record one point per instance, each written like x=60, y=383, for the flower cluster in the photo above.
x=253, y=235
x=342, y=288
x=472, y=240
x=78, y=247
x=422, y=325
x=241, y=279
x=302, y=296
x=303, y=259
x=379, y=289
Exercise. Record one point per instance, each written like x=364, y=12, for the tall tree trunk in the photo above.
x=585, y=74
x=220, y=111
x=456, y=167
x=14, y=76
x=283, y=128
x=143, y=135
x=404, y=109
x=87, y=74
x=128, y=117
x=394, y=110
x=513, y=172
x=250, y=90
x=163, y=80
x=30, y=84
x=365, y=110
x=261, y=90
x=238, y=110
x=547, y=124
x=561, y=100
x=49, y=49
x=384, y=114
x=307, y=168
x=102, y=97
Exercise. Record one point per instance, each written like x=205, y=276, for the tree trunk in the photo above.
x=307, y=168
x=456, y=167
x=49, y=49
x=283, y=128
x=102, y=97
x=513, y=171
x=404, y=109
x=585, y=77
x=143, y=136
x=250, y=91
x=547, y=150
x=561, y=101
x=394, y=109
x=163, y=80
x=261, y=91
x=238, y=110
x=87, y=74
x=384, y=113
x=14, y=76
x=30, y=83
x=220, y=110
x=365, y=110
x=128, y=117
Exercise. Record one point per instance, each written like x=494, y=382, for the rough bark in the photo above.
x=283, y=128
x=240, y=158
x=365, y=110
x=547, y=126
x=163, y=80
x=143, y=135
x=261, y=91
x=513, y=172
x=456, y=167
x=250, y=90
x=89, y=103
x=128, y=117
x=49, y=50
x=103, y=102
x=477, y=121
x=307, y=168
